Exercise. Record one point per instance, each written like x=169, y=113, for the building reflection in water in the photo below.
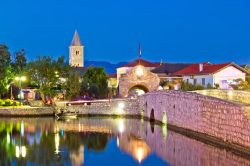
x=66, y=142
x=77, y=157
x=136, y=147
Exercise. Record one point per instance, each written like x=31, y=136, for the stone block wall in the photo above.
x=27, y=111
x=231, y=95
x=115, y=107
x=208, y=115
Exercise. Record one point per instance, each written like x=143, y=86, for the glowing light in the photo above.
x=142, y=114
x=17, y=152
x=176, y=87
x=164, y=131
x=79, y=127
x=139, y=154
x=121, y=126
x=23, y=151
x=139, y=71
x=22, y=129
x=57, y=142
x=204, y=92
x=164, y=118
x=120, y=108
x=117, y=142
x=8, y=138
x=230, y=93
x=121, y=105
x=23, y=78
x=140, y=92
x=160, y=88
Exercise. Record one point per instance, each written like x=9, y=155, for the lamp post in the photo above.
x=20, y=80
x=139, y=71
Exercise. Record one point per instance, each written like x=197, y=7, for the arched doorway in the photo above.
x=137, y=90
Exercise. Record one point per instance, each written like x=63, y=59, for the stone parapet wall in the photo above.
x=204, y=114
x=231, y=95
x=115, y=107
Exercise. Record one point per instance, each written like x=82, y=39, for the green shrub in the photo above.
x=190, y=87
x=209, y=86
x=9, y=102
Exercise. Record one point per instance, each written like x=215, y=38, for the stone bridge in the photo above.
x=211, y=119
x=206, y=115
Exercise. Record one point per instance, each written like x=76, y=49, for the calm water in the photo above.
x=103, y=141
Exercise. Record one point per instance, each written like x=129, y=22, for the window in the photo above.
x=187, y=80
x=77, y=52
x=203, y=81
x=195, y=81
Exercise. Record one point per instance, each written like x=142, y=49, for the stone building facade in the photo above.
x=139, y=77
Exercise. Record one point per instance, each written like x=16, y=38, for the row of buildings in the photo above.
x=141, y=76
x=222, y=76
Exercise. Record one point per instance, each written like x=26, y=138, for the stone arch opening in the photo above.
x=137, y=90
x=152, y=116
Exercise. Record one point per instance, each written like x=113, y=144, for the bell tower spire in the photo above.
x=76, y=52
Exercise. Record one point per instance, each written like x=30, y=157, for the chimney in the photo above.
x=200, y=67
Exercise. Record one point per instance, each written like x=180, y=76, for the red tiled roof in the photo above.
x=112, y=75
x=141, y=62
x=208, y=68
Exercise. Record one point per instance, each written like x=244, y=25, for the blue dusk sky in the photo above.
x=171, y=30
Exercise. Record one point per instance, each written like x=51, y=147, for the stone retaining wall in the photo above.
x=231, y=95
x=27, y=111
x=221, y=119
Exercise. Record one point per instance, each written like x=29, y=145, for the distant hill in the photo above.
x=110, y=68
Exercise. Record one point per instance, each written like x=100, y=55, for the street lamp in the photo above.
x=139, y=71
x=20, y=80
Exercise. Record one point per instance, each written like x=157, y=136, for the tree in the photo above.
x=248, y=75
x=240, y=85
x=46, y=73
x=73, y=85
x=95, y=82
x=6, y=71
x=19, y=61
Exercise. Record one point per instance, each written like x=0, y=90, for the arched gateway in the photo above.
x=138, y=81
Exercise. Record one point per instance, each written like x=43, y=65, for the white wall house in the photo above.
x=203, y=80
x=206, y=73
x=227, y=76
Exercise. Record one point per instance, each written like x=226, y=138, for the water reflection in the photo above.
x=93, y=141
x=134, y=146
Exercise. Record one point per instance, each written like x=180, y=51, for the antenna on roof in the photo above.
x=139, y=53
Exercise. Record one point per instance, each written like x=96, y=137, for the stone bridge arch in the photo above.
x=139, y=76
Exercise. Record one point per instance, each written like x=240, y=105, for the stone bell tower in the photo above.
x=76, y=52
